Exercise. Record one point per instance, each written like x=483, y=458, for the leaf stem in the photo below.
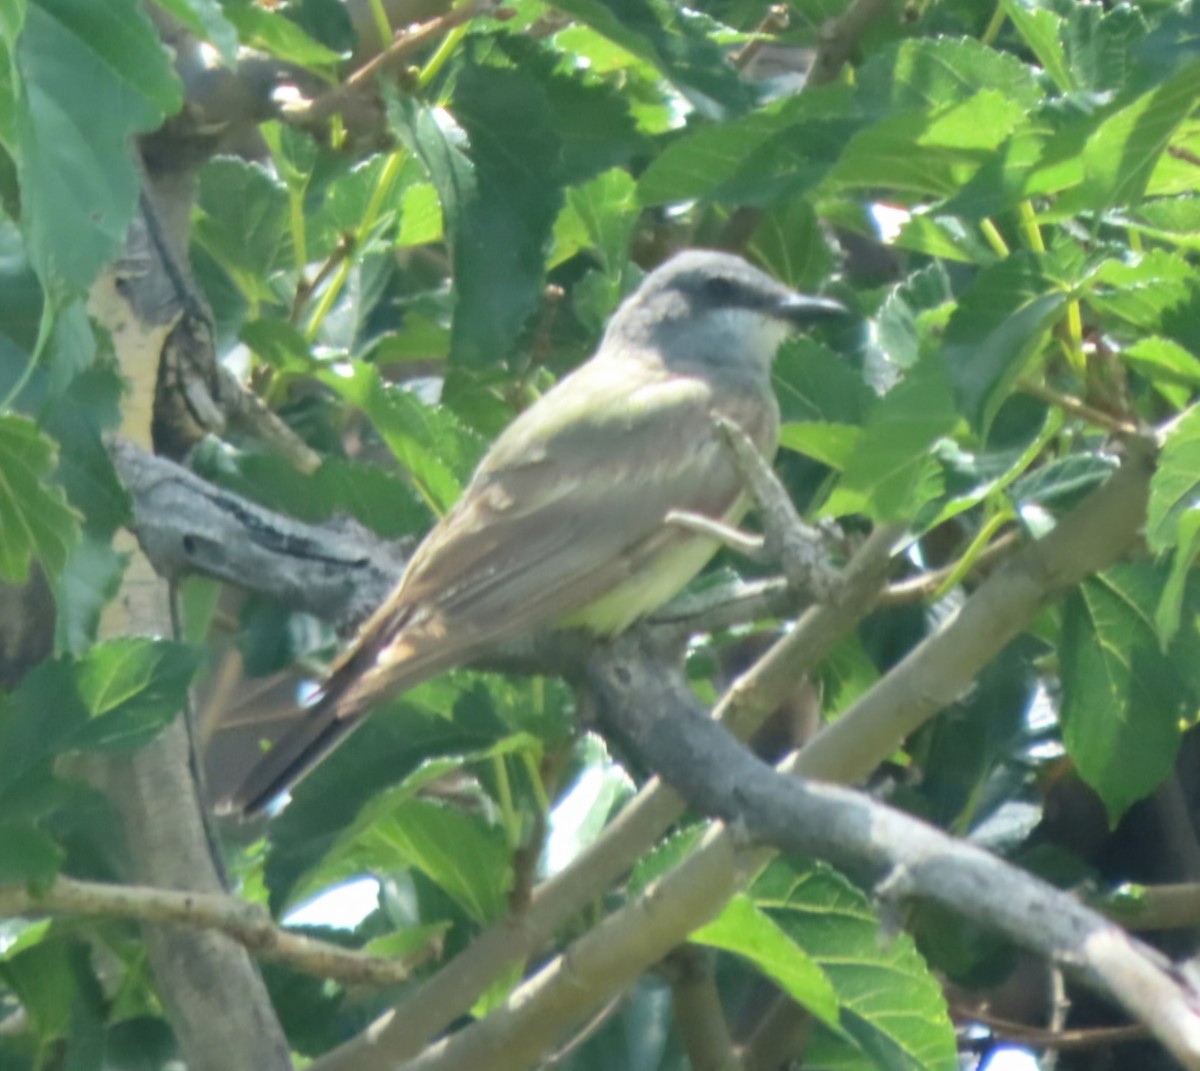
x=994, y=238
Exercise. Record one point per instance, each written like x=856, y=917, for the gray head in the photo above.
x=710, y=308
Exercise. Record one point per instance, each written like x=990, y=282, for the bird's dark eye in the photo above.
x=720, y=291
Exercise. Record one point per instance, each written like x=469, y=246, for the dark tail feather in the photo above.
x=317, y=733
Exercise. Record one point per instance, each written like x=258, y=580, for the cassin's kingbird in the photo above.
x=564, y=522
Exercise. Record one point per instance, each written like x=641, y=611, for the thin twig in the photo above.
x=249, y=924
x=405, y=42
x=917, y=588
x=1040, y=1038
x=1070, y=404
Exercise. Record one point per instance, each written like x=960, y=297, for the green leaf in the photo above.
x=90, y=580
x=831, y=444
x=1120, y=156
x=79, y=182
x=131, y=688
x=467, y=859
x=931, y=73
x=28, y=855
x=1175, y=485
x=274, y=33
x=1166, y=364
x=790, y=244
x=243, y=222
x=999, y=323
x=729, y=159
x=397, y=739
x=1124, y=699
x=1168, y=616
x=1041, y=29
x=499, y=203
x=891, y=474
x=929, y=154
x=746, y=930
x=207, y=21
x=380, y=499
x=813, y=383
x=672, y=38
x=1155, y=291
x=600, y=215
x=438, y=452
x=35, y=520
x=44, y=982
x=890, y=1001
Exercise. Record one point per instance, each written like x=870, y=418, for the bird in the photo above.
x=565, y=521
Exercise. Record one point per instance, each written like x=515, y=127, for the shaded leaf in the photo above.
x=997, y=326
x=35, y=520
x=131, y=688
x=1124, y=698
x=79, y=182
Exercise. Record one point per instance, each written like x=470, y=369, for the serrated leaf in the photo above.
x=438, y=452
x=813, y=383
x=1124, y=699
x=599, y=215
x=1168, y=616
x=90, y=580
x=671, y=38
x=890, y=1001
x=1165, y=362
x=744, y=929
x=243, y=222
x=499, y=201
x=729, y=159
x=1155, y=291
x=79, y=182
x=931, y=73
x=1041, y=30
x=35, y=520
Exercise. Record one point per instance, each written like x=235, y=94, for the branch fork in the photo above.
x=796, y=547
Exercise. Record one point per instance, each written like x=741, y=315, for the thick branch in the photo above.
x=186, y=525
x=249, y=924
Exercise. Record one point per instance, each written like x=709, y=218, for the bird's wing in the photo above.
x=551, y=524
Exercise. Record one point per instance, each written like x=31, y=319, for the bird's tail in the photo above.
x=318, y=731
x=348, y=694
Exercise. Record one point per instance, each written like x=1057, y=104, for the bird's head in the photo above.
x=708, y=307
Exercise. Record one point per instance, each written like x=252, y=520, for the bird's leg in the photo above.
x=797, y=547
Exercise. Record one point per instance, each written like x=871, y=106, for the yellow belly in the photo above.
x=657, y=583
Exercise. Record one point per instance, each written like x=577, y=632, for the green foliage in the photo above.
x=400, y=293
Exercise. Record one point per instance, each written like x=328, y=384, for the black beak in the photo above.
x=802, y=309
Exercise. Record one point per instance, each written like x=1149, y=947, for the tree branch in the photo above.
x=249, y=924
